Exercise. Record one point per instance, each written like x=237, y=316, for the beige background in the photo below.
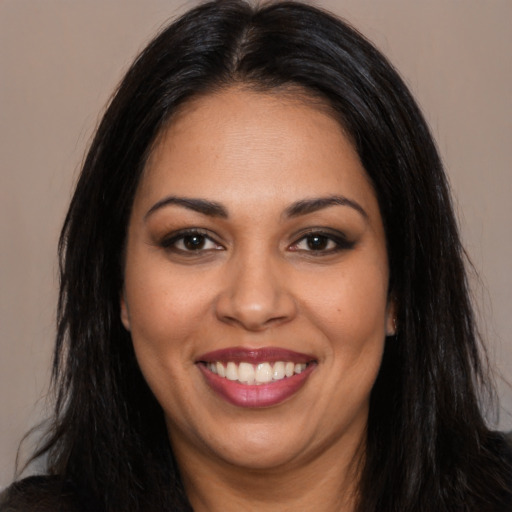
x=59, y=62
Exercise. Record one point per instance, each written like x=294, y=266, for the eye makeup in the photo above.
x=190, y=241
x=321, y=241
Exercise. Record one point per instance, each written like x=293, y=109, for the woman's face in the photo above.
x=256, y=281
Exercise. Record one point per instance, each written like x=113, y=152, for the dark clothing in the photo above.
x=52, y=494
x=41, y=494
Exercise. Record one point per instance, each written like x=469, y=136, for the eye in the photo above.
x=316, y=242
x=192, y=241
x=322, y=243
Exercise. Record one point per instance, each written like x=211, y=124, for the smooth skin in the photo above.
x=246, y=266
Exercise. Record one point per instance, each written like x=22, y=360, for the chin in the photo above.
x=261, y=454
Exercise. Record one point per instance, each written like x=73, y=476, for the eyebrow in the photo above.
x=312, y=205
x=210, y=208
x=214, y=209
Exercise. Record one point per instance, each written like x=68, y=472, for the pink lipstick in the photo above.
x=256, y=377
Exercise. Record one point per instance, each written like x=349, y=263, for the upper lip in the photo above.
x=255, y=355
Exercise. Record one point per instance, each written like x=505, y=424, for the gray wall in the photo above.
x=59, y=62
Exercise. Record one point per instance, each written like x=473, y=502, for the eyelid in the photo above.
x=338, y=237
x=168, y=242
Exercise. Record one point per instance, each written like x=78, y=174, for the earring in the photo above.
x=394, y=330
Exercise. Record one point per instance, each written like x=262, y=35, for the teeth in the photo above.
x=232, y=372
x=246, y=373
x=278, y=372
x=262, y=373
x=220, y=369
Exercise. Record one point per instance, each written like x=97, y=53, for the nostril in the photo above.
x=254, y=298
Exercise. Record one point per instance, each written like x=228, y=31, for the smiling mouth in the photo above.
x=256, y=378
x=256, y=374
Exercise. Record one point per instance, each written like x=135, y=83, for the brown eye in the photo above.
x=194, y=242
x=318, y=242
x=190, y=242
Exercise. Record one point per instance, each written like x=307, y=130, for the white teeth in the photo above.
x=278, y=372
x=246, y=373
x=262, y=373
x=232, y=372
x=220, y=369
x=299, y=368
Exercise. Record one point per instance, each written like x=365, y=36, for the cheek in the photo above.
x=164, y=306
x=350, y=305
x=165, y=316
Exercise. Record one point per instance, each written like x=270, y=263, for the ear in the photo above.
x=125, y=313
x=391, y=324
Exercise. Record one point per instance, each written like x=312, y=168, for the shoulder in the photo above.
x=40, y=494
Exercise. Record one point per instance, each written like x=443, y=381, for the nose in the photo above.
x=255, y=295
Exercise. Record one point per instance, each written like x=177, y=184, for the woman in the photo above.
x=263, y=299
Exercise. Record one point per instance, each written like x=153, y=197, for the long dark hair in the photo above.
x=428, y=447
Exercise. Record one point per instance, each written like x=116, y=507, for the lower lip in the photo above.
x=255, y=396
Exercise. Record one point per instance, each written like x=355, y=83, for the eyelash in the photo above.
x=339, y=240
x=171, y=243
x=326, y=237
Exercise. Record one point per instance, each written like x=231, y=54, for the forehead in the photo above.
x=241, y=145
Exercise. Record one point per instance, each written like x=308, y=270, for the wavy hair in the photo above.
x=428, y=447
